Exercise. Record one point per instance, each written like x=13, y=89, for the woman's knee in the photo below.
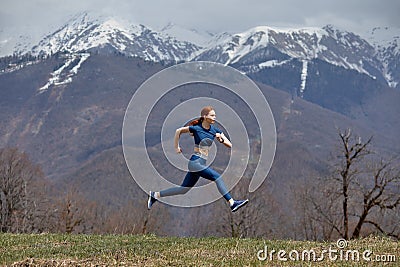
x=214, y=175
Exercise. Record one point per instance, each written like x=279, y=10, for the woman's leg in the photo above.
x=189, y=181
x=213, y=175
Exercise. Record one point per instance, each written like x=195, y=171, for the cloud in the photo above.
x=216, y=16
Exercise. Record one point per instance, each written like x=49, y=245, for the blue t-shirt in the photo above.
x=202, y=136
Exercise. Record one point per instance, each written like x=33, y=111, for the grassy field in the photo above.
x=151, y=250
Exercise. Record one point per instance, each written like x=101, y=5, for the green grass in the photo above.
x=151, y=250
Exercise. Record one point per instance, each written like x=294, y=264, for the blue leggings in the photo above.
x=197, y=167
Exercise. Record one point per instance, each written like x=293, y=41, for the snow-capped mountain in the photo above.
x=333, y=68
x=84, y=33
x=203, y=39
x=253, y=51
x=263, y=47
x=199, y=38
x=387, y=43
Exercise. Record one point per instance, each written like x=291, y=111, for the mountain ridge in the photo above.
x=340, y=48
x=86, y=31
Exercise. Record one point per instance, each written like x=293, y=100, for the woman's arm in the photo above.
x=223, y=139
x=178, y=133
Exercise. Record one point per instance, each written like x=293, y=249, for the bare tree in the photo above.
x=18, y=176
x=133, y=218
x=74, y=213
x=352, y=152
x=321, y=210
x=315, y=219
x=351, y=199
x=382, y=195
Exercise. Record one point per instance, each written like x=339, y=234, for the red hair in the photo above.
x=204, y=112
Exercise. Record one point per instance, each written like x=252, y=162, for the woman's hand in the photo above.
x=178, y=150
x=219, y=137
x=223, y=139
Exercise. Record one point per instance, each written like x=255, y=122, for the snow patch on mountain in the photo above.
x=64, y=74
x=272, y=63
x=303, y=77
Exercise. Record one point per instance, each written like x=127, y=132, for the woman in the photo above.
x=204, y=133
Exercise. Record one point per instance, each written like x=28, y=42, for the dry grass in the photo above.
x=150, y=250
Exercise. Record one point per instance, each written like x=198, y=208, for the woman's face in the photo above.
x=210, y=117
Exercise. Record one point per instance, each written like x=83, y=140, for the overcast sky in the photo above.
x=358, y=16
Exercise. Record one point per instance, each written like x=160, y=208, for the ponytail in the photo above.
x=194, y=122
x=204, y=112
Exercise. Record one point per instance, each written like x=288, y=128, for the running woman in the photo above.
x=204, y=133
